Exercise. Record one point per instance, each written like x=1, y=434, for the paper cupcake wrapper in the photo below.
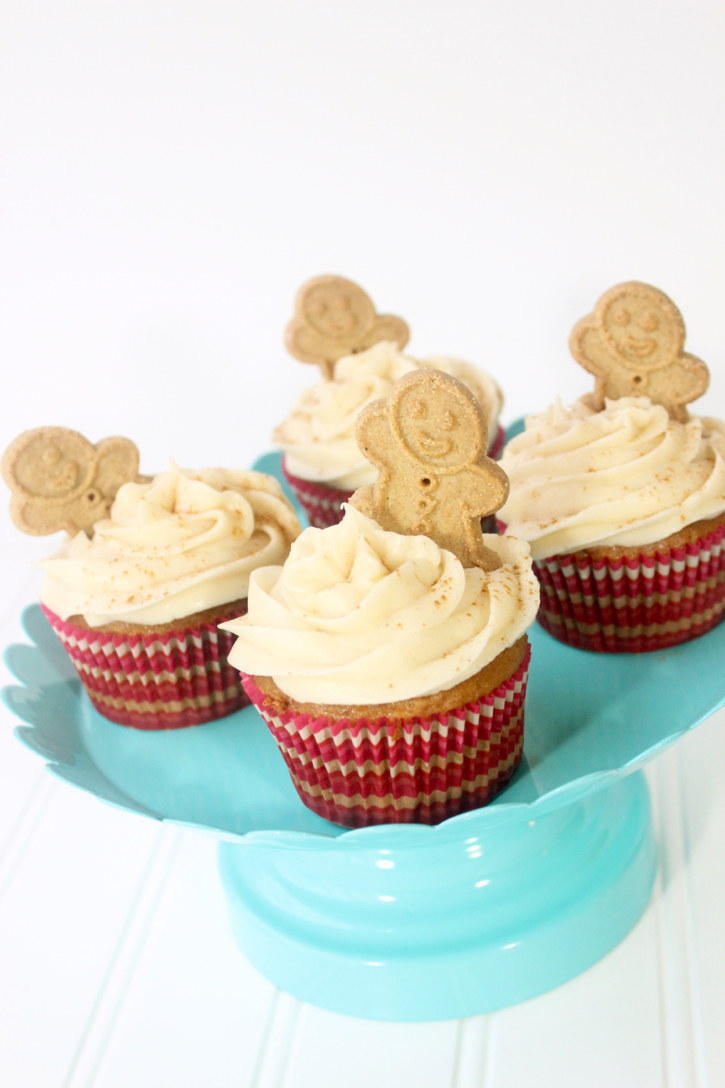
x=156, y=681
x=634, y=605
x=496, y=448
x=422, y=770
x=323, y=504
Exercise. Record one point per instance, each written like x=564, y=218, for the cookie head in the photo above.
x=334, y=317
x=640, y=326
x=59, y=480
x=437, y=422
x=53, y=463
x=337, y=308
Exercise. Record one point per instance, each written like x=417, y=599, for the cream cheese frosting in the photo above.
x=318, y=436
x=358, y=615
x=183, y=543
x=628, y=475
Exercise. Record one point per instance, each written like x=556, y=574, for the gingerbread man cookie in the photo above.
x=633, y=344
x=334, y=317
x=428, y=441
x=60, y=481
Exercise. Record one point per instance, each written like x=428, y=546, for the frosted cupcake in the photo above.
x=622, y=497
x=360, y=354
x=136, y=596
x=388, y=655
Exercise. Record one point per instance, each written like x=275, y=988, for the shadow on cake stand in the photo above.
x=408, y=922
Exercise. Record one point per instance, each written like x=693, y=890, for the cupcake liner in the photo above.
x=323, y=504
x=634, y=605
x=156, y=681
x=496, y=448
x=420, y=770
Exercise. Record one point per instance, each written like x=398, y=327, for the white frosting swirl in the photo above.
x=358, y=615
x=627, y=475
x=318, y=436
x=183, y=543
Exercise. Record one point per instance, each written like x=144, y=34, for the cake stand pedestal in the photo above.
x=408, y=922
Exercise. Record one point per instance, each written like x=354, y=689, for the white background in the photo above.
x=173, y=171
x=170, y=174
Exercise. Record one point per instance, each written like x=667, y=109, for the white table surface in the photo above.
x=170, y=173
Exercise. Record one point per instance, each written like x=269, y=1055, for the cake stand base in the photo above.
x=482, y=920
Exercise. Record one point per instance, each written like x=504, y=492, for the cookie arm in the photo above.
x=309, y=347
x=490, y=490
x=118, y=463
x=485, y=491
x=373, y=434
x=362, y=500
x=37, y=519
x=678, y=384
x=586, y=346
x=388, y=327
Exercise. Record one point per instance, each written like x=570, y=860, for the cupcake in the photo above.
x=388, y=655
x=359, y=352
x=137, y=595
x=622, y=496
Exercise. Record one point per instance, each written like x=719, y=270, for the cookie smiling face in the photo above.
x=337, y=311
x=640, y=326
x=438, y=427
x=54, y=464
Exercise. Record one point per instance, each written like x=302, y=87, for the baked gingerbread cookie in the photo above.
x=428, y=440
x=633, y=344
x=59, y=480
x=334, y=317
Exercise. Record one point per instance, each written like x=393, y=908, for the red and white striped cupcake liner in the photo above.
x=422, y=770
x=323, y=504
x=154, y=681
x=634, y=605
x=496, y=448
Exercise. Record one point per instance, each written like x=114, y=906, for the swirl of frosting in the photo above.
x=318, y=436
x=628, y=475
x=358, y=615
x=185, y=542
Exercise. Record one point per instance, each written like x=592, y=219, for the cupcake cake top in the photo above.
x=358, y=615
x=626, y=465
x=628, y=475
x=318, y=436
x=360, y=354
x=405, y=597
x=182, y=543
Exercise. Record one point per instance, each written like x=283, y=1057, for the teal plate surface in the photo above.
x=590, y=718
x=408, y=922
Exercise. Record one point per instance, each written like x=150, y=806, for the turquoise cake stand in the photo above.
x=408, y=922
